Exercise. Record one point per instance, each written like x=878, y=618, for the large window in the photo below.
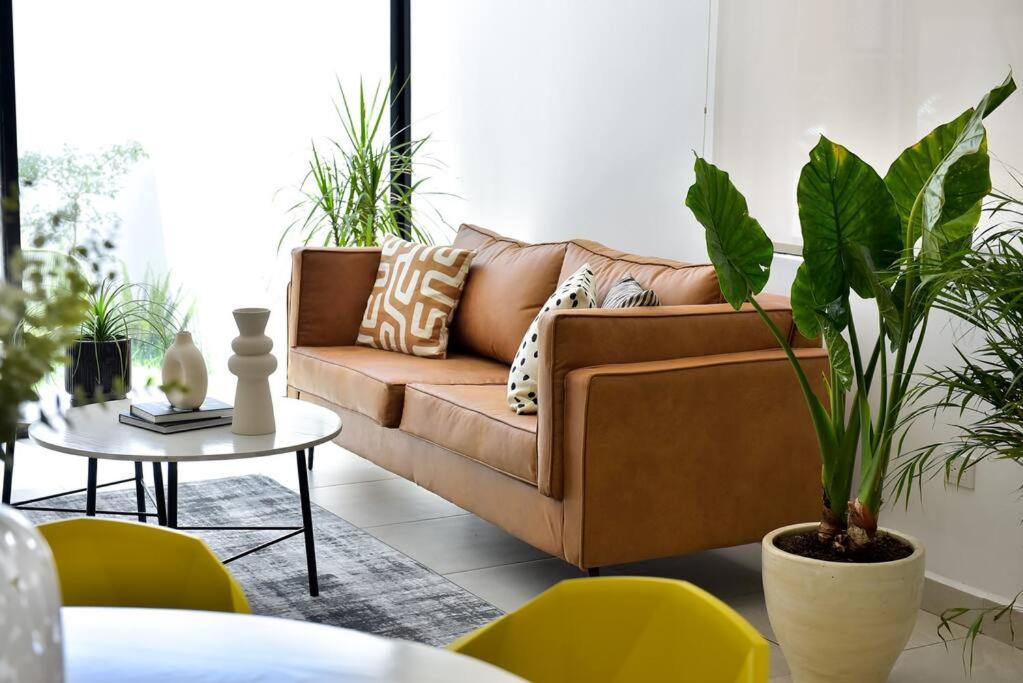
x=180, y=130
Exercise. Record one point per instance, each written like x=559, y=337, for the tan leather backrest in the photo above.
x=328, y=292
x=508, y=283
x=676, y=283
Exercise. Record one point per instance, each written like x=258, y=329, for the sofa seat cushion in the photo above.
x=372, y=381
x=674, y=282
x=473, y=421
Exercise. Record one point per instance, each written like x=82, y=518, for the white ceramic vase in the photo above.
x=185, y=369
x=841, y=622
x=252, y=364
x=31, y=647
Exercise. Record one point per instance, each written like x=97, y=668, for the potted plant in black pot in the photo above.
x=98, y=362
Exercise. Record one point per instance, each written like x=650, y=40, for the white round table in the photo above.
x=93, y=431
x=161, y=646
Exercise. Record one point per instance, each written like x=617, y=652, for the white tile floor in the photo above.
x=506, y=572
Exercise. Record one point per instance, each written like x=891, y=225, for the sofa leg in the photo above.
x=594, y=571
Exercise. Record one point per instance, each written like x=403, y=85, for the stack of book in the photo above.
x=164, y=418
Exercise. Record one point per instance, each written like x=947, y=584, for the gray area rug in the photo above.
x=364, y=584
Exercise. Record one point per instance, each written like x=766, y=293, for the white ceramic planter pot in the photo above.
x=838, y=622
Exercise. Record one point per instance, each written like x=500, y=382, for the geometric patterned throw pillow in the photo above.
x=575, y=292
x=416, y=291
x=627, y=293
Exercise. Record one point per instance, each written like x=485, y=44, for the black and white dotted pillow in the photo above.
x=575, y=292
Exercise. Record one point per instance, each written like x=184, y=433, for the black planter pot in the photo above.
x=98, y=371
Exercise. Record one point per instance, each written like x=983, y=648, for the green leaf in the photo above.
x=964, y=175
x=909, y=172
x=886, y=305
x=838, y=354
x=950, y=234
x=815, y=318
x=805, y=304
x=844, y=205
x=738, y=247
x=951, y=240
x=808, y=310
x=998, y=95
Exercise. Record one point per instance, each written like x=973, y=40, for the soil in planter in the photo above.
x=886, y=548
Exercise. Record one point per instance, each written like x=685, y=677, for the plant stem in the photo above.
x=786, y=347
x=821, y=421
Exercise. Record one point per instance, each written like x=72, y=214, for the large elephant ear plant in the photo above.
x=883, y=239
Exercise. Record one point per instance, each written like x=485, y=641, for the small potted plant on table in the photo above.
x=842, y=593
x=98, y=363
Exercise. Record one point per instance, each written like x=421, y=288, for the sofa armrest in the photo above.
x=328, y=293
x=669, y=457
x=575, y=339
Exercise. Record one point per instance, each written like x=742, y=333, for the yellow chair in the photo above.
x=107, y=563
x=622, y=629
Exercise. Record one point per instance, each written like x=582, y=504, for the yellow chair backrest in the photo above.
x=107, y=563
x=622, y=629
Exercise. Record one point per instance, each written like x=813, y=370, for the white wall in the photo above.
x=565, y=119
x=877, y=76
x=873, y=75
x=577, y=118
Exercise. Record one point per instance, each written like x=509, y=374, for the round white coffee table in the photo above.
x=93, y=431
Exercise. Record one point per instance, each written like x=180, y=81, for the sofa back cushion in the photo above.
x=674, y=282
x=508, y=283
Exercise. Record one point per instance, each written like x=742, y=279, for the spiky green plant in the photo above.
x=165, y=308
x=985, y=389
x=126, y=310
x=350, y=195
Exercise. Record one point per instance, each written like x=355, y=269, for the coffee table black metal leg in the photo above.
x=172, y=495
x=140, y=492
x=161, y=506
x=307, y=524
x=312, y=452
x=8, y=457
x=90, y=489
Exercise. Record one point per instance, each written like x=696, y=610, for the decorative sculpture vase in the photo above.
x=31, y=647
x=184, y=373
x=252, y=364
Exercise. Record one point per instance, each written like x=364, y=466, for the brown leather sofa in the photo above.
x=661, y=430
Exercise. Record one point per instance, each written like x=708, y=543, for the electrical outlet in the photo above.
x=968, y=480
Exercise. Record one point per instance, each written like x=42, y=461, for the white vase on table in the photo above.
x=31, y=643
x=184, y=371
x=252, y=364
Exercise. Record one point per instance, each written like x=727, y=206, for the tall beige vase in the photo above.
x=840, y=622
x=252, y=364
x=184, y=372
